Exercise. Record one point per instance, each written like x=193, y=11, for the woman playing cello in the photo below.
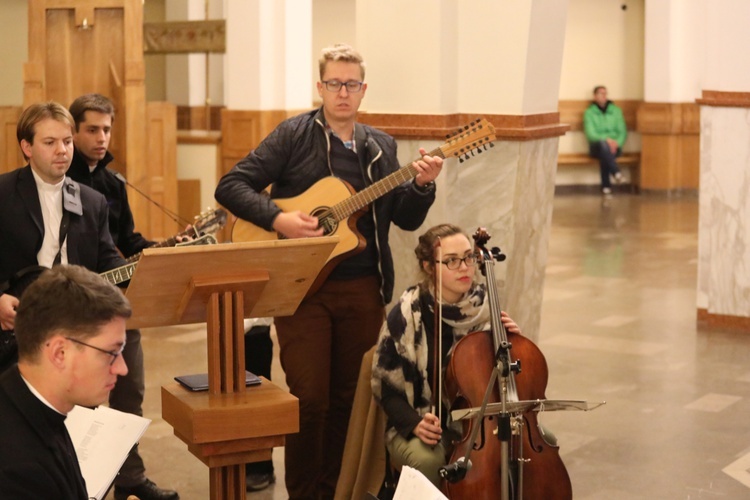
x=403, y=363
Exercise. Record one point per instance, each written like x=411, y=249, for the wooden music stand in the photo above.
x=229, y=425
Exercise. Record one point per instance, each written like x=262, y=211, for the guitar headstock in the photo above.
x=470, y=139
x=210, y=221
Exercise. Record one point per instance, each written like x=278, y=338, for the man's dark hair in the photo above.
x=596, y=89
x=91, y=102
x=69, y=299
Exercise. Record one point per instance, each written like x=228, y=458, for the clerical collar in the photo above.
x=39, y=396
x=42, y=185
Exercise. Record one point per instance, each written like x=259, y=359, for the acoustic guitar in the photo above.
x=337, y=206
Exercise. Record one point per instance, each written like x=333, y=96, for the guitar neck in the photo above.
x=120, y=274
x=345, y=208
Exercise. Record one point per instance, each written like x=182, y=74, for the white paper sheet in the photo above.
x=412, y=484
x=103, y=438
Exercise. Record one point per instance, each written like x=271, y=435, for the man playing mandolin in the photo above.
x=323, y=342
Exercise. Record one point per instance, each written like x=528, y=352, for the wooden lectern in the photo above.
x=229, y=425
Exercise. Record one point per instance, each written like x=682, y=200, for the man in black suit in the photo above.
x=38, y=204
x=71, y=332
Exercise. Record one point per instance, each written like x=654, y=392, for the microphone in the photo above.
x=456, y=471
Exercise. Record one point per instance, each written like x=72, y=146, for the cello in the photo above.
x=509, y=457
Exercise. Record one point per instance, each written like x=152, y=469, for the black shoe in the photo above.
x=258, y=482
x=147, y=490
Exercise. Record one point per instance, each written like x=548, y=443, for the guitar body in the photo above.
x=316, y=201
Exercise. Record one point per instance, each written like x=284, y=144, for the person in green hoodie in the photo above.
x=605, y=130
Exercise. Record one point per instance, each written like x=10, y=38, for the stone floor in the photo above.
x=618, y=325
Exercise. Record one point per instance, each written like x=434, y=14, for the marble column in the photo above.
x=269, y=56
x=723, y=297
x=434, y=65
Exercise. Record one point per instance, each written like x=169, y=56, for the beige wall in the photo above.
x=604, y=45
x=334, y=21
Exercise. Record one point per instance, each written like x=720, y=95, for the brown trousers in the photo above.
x=322, y=346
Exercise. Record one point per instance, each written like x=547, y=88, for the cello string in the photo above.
x=439, y=332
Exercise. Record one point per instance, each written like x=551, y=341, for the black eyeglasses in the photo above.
x=454, y=263
x=114, y=354
x=335, y=85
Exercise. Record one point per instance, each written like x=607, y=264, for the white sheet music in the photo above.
x=103, y=438
x=412, y=484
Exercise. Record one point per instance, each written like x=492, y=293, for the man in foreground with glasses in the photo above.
x=70, y=328
x=322, y=344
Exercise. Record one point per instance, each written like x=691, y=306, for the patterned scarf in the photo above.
x=402, y=354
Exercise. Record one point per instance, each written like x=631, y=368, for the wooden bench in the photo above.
x=631, y=160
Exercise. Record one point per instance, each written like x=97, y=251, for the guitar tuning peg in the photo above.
x=479, y=150
x=460, y=160
x=492, y=144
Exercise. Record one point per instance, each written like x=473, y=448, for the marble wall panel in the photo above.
x=508, y=190
x=724, y=221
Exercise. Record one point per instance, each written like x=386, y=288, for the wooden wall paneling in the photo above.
x=670, y=143
x=161, y=167
x=724, y=99
x=78, y=61
x=658, y=158
x=134, y=103
x=691, y=118
x=188, y=198
x=431, y=127
x=690, y=151
x=10, y=152
x=33, y=70
x=241, y=131
x=660, y=118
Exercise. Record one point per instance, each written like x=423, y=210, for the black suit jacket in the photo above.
x=22, y=227
x=35, y=461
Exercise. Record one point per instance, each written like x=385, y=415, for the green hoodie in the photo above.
x=599, y=126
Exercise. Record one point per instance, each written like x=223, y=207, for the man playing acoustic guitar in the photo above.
x=323, y=342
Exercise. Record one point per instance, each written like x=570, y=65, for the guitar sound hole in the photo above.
x=326, y=220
